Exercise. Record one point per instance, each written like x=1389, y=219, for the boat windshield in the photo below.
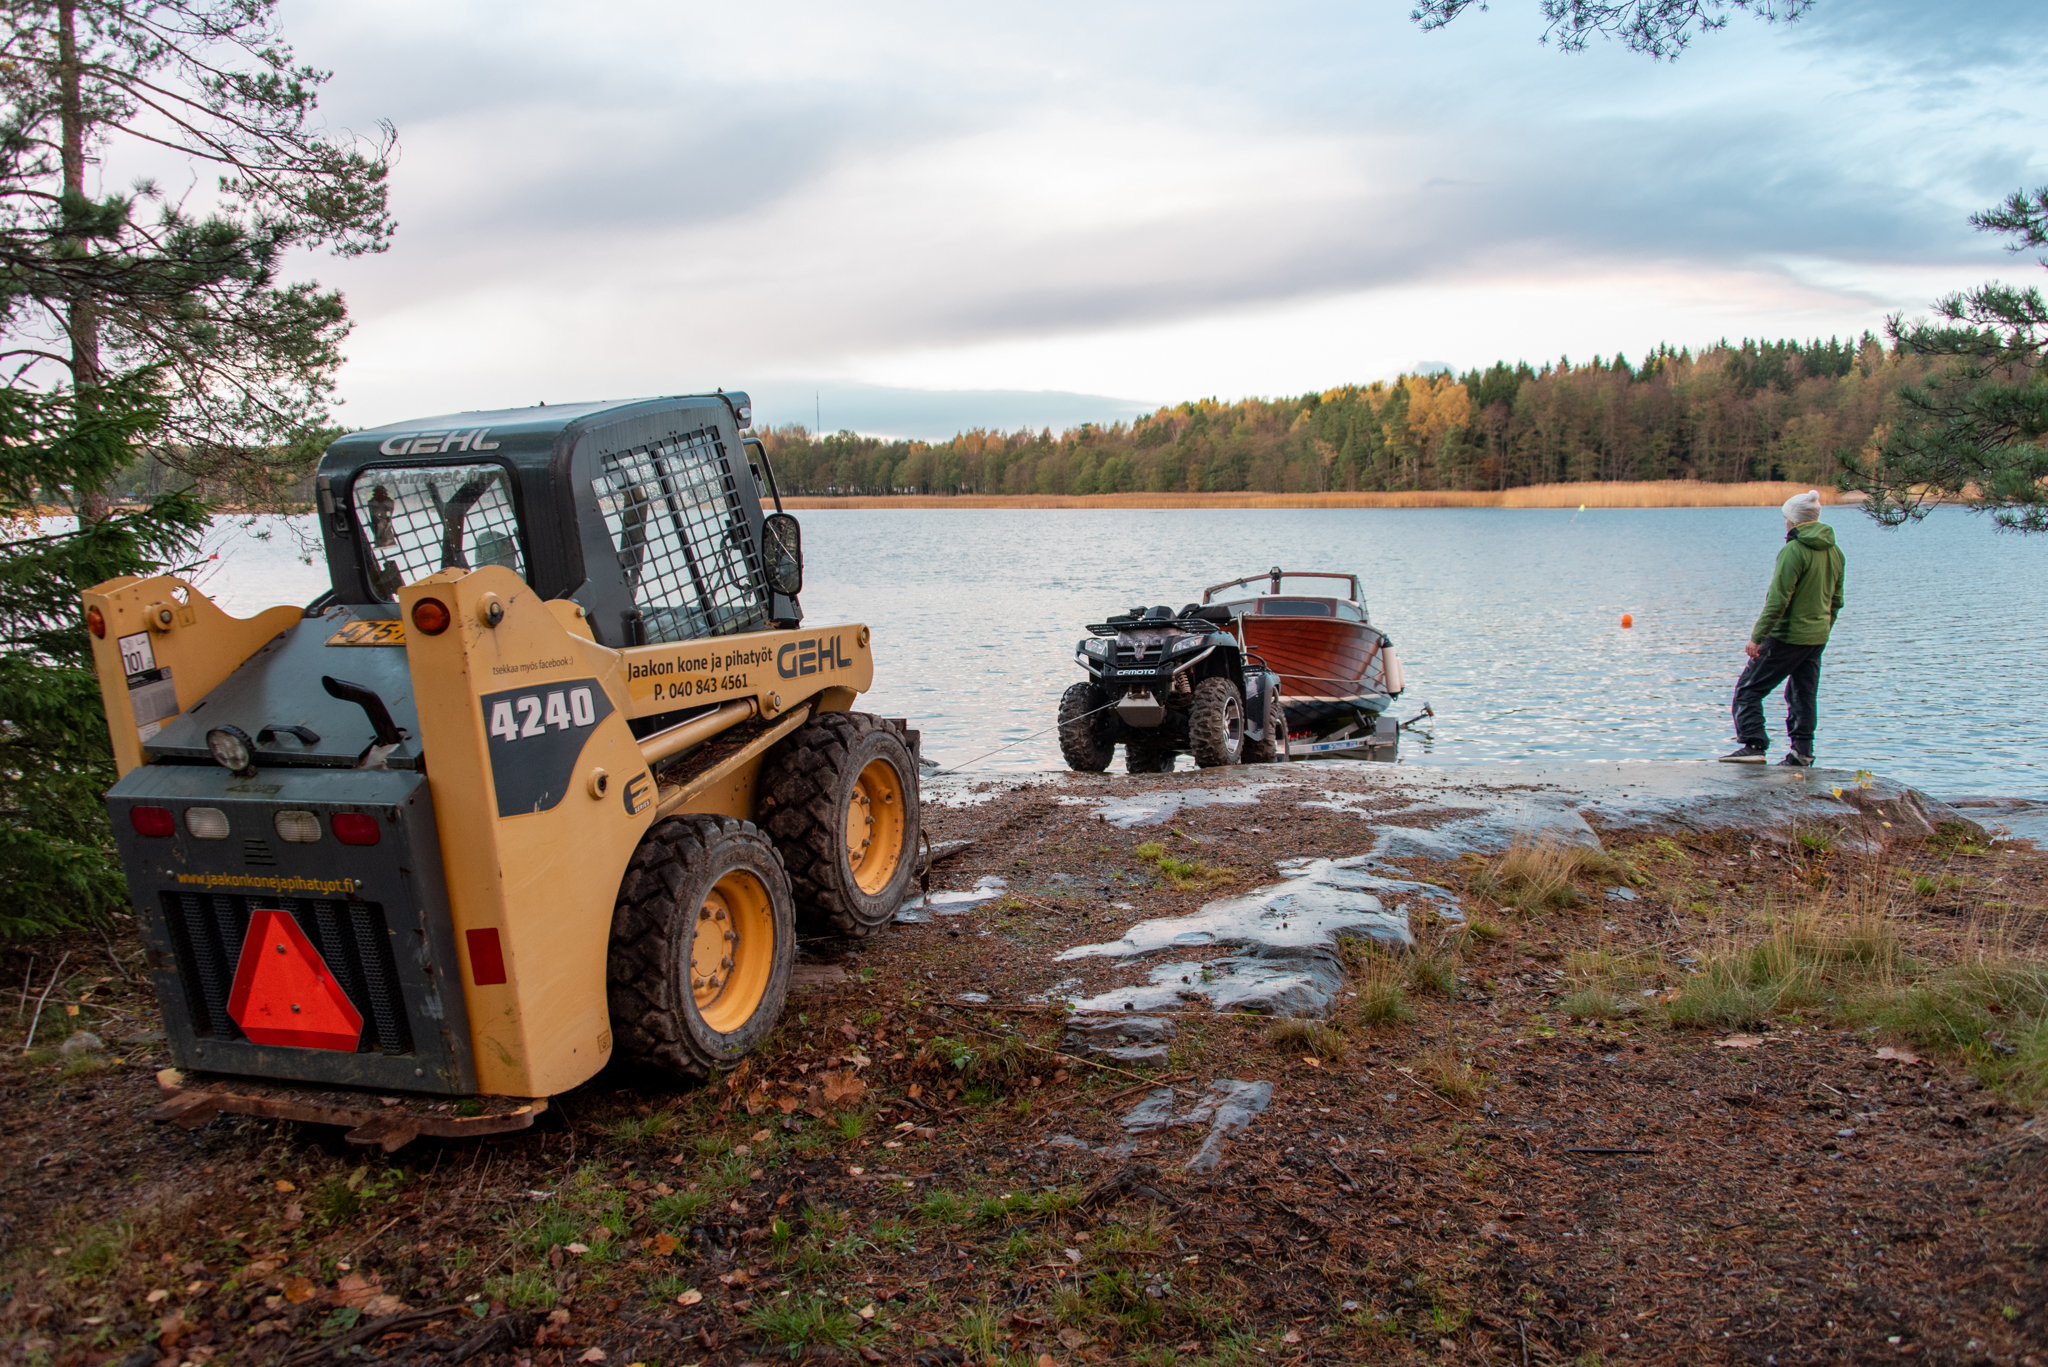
x=1272, y=607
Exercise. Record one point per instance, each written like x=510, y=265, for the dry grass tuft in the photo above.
x=1434, y=972
x=1312, y=1037
x=1534, y=876
x=1380, y=980
x=1449, y=1076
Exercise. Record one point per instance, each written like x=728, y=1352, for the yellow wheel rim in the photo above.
x=874, y=826
x=732, y=949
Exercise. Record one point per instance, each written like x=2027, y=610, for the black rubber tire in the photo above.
x=1216, y=724
x=804, y=796
x=1273, y=747
x=1141, y=758
x=655, y=1018
x=1086, y=742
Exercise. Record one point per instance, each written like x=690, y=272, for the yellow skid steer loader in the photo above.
x=553, y=769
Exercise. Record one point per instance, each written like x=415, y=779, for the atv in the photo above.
x=1162, y=683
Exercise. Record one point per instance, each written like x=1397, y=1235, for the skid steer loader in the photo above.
x=553, y=769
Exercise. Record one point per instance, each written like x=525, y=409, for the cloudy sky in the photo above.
x=918, y=217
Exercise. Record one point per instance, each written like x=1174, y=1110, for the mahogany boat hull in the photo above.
x=1327, y=665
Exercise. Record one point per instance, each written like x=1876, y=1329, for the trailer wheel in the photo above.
x=1143, y=758
x=1273, y=747
x=703, y=939
x=1085, y=742
x=1216, y=723
x=840, y=798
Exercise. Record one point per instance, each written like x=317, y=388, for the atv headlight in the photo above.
x=1095, y=645
x=1187, y=643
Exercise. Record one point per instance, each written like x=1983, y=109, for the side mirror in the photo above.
x=784, y=553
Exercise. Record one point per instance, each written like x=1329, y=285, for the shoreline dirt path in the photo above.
x=1650, y=1088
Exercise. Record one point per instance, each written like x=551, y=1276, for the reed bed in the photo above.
x=1665, y=493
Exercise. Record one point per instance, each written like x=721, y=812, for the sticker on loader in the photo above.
x=377, y=633
x=536, y=736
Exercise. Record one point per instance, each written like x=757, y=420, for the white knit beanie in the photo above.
x=1803, y=507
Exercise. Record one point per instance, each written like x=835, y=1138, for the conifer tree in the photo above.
x=1976, y=428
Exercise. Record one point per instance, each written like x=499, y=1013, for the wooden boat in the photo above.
x=1337, y=671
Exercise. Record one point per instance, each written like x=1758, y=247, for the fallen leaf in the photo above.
x=758, y=1137
x=576, y=1248
x=848, y=1031
x=592, y=1355
x=558, y=1317
x=1739, y=1042
x=842, y=1089
x=859, y=1060
x=294, y=1214
x=156, y=1297
x=262, y=1327
x=790, y=1103
x=377, y=1307
x=690, y=1297
x=916, y=1090
x=284, y=1185
x=1291, y=1336
x=173, y=1327
x=857, y=1171
x=356, y=1290
x=867, y=1312
x=737, y=1277
x=262, y=1267
x=1312, y=1062
x=1898, y=1055
x=1072, y=1338
x=1073, y=1256
x=925, y=1132
x=665, y=1244
x=1046, y=1360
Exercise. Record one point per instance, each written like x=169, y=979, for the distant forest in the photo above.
x=1760, y=410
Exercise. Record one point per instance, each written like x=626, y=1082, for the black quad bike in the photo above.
x=1163, y=683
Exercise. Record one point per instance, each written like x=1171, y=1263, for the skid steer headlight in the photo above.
x=297, y=828
x=232, y=749
x=206, y=823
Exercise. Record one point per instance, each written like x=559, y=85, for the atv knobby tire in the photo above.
x=703, y=939
x=1087, y=734
x=839, y=797
x=1216, y=723
x=1274, y=746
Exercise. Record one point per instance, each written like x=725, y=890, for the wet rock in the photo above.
x=1621, y=894
x=80, y=1042
x=972, y=998
x=1068, y=1141
x=1226, y=1106
x=1321, y=899
x=1508, y=817
x=2021, y=818
x=919, y=909
x=1161, y=804
x=1127, y=1041
x=1286, y=934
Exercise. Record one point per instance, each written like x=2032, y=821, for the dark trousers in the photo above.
x=1796, y=667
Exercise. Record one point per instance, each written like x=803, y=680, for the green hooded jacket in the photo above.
x=1806, y=590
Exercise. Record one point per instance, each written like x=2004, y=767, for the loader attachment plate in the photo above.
x=384, y=1122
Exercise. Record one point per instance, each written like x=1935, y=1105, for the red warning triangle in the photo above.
x=283, y=993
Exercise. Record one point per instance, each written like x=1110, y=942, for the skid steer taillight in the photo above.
x=354, y=828
x=151, y=820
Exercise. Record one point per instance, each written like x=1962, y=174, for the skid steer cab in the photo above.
x=554, y=769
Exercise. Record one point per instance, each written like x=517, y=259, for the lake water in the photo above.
x=1508, y=621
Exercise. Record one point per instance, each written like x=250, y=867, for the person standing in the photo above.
x=1785, y=646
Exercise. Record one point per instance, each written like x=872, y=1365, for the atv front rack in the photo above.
x=372, y=1121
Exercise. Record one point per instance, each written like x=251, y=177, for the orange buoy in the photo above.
x=1627, y=621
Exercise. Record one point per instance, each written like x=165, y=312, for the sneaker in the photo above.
x=1794, y=760
x=1748, y=754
